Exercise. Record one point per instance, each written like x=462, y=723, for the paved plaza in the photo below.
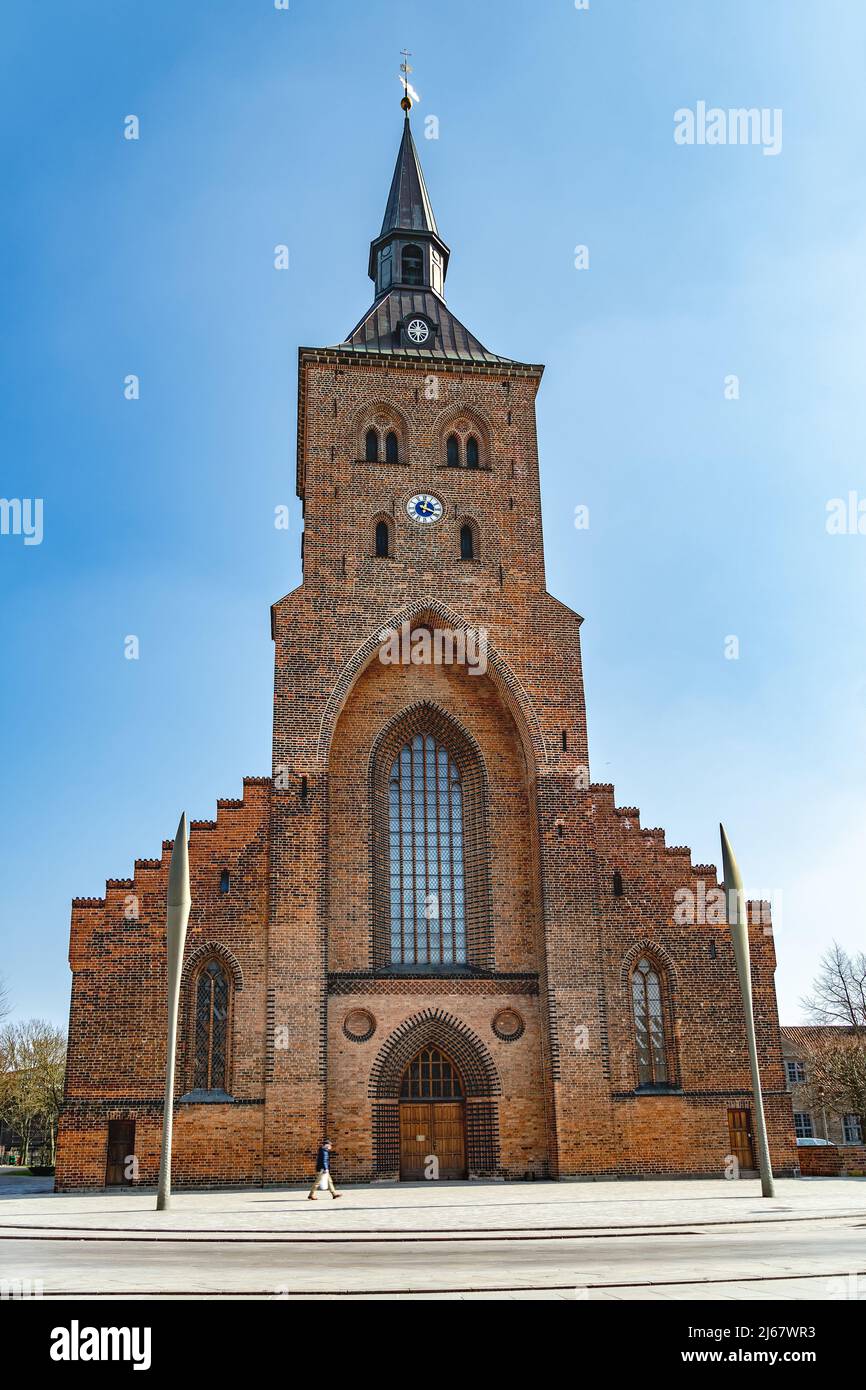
x=545, y=1240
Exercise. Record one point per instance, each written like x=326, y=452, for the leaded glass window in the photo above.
x=649, y=1024
x=425, y=856
x=211, y=1028
x=431, y=1076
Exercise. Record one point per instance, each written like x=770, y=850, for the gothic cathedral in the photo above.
x=427, y=935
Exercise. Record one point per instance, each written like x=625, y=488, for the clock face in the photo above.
x=424, y=508
x=418, y=331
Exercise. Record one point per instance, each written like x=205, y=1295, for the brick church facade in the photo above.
x=427, y=935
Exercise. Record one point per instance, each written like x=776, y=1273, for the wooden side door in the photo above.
x=121, y=1144
x=740, y=1135
x=416, y=1139
x=449, y=1139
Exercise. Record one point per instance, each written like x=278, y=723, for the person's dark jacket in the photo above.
x=323, y=1161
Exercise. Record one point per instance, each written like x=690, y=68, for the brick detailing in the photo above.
x=482, y=1138
x=210, y=950
x=429, y=719
x=428, y=984
x=508, y=1025
x=434, y=1028
x=430, y=612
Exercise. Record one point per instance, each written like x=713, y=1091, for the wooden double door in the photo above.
x=432, y=1129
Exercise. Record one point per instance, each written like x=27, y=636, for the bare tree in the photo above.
x=5, y=1002
x=837, y=1073
x=839, y=991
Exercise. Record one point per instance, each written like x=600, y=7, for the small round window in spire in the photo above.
x=417, y=331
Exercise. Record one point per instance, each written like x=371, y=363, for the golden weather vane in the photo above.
x=409, y=93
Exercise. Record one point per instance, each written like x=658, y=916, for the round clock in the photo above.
x=424, y=508
x=417, y=330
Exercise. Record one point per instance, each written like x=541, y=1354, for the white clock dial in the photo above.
x=418, y=330
x=424, y=508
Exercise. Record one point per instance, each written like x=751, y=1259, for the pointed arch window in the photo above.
x=472, y=452
x=452, y=451
x=371, y=446
x=467, y=541
x=431, y=1076
x=426, y=872
x=392, y=448
x=413, y=265
x=648, y=1003
x=212, y=1004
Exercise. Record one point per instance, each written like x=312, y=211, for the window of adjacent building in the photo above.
x=426, y=876
x=413, y=265
x=371, y=447
x=852, y=1129
x=211, y=1028
x=649, y=1024
x=383, y=540
x=803, y=1127
x=796, y=1073
x=392, y=448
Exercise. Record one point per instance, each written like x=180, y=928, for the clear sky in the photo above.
x=261, y=126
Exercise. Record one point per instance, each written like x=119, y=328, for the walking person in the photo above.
x=323, y=1170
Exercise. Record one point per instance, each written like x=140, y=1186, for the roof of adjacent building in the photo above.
x=805, y=1037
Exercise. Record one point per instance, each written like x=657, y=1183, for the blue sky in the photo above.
x=707, y=516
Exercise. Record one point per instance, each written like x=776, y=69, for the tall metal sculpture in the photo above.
x=178, y=903
x=738, y=922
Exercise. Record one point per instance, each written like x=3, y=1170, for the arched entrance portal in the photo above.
x=435, y=1032
x=432, y=1118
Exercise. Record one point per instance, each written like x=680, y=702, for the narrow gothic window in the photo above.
x=426, y=883
x=211, y=1028
x=225, y=881
x=453, y=451
x=649, y=1024
x=617, y=884
x=467, y=543
x=382, y=540
x=413, y=265
x=392, y=448
x=372, y=447
x=472, y=452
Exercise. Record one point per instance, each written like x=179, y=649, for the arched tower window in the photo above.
x=371, y=446
x=426, y=877
x=383, y=540
x=392, y=448
x=472, y=452
x=212, y=1003
x=453, y=451
x=646, y=989
x=413, y=265
x=467, y=541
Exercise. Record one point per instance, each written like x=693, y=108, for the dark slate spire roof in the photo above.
x=412, y=284
x=378, y=330
x=408, y=207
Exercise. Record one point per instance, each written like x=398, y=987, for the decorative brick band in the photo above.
x=426, y=985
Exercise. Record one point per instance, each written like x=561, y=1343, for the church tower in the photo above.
x=427, y=933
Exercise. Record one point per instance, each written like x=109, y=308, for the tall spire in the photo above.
x=408, y=207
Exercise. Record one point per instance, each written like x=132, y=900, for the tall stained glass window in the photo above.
x=211, y=1028
x=426, y=880
x=649, y=1024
